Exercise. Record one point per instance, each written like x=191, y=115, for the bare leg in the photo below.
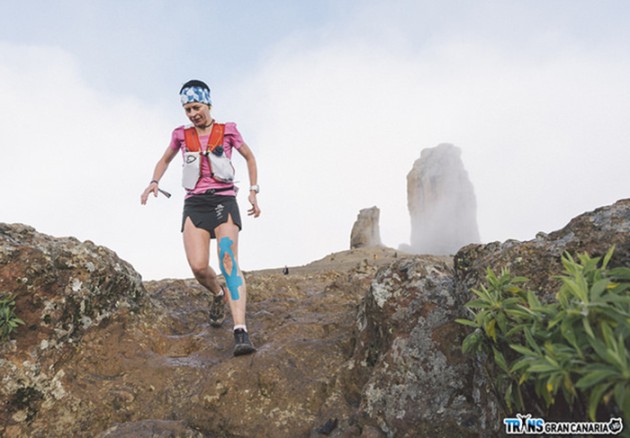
x=197, y=247
x=227, y=247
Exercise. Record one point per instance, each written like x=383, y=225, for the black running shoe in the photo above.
x=217, y=309
x=242, y=344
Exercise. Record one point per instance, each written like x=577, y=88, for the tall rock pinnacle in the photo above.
x=441, y=202
x=365, y=232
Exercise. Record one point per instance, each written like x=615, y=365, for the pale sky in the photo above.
x=336, y=98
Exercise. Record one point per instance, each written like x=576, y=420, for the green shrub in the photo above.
x=577, y=345
x=8, y=320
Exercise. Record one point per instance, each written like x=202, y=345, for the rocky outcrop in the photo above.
x=414, y=379
x=362, y=343
x=441, y=202
x=540, y=259
x=365, y=231
x=63, y=290
x=417, y=381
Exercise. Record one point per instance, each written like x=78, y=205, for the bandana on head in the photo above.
x=195, y=94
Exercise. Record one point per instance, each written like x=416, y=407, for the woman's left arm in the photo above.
x=252, y=170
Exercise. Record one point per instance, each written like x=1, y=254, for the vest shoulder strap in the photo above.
x=216, y=136
x=191, y=138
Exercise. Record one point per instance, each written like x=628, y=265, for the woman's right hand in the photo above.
x=152, y=188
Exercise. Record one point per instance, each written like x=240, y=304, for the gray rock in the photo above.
x=63, y=289
x=441, y=202
x=365, y=231
x=418, y=380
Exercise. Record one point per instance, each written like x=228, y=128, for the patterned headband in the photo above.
x=195, y=94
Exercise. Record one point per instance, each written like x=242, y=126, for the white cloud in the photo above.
x=338, y=127
x=336, y=123
x=75, y=161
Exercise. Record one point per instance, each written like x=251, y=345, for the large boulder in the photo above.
x=63, y=288
x=417, y=381
x=410, y=376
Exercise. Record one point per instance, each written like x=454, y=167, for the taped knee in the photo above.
x=229, y=267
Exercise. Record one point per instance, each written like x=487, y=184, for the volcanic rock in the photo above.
x=361, y=343
x=441, y=202
x=365, y=231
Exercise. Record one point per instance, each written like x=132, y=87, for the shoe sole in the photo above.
x=241, y=350
x=217, y=323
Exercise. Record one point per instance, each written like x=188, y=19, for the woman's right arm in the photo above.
x=159, y=170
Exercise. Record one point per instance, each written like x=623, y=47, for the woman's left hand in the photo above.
x=255, y=210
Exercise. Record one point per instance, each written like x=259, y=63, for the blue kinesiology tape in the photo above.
x=232, y=279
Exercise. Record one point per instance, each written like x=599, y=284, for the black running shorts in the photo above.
x=208, y=211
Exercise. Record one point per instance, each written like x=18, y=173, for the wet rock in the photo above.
x=151, y=429
x=149, y=364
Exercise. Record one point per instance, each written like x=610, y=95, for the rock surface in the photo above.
x=359, y=344
x=418, y=382
x=441, y=202
x=64, y=291
x=540, y=259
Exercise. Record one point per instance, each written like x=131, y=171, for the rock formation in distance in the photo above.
x=441, y=202
x=365, y=231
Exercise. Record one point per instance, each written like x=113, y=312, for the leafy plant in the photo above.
x=8, y=319
x=578, y=345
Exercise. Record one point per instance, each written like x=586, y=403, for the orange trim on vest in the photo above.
x=191, y=138
x=216, y=136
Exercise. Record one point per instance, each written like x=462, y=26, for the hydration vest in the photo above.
x=221, y=168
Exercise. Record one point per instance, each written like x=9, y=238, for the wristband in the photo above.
x=155, y=181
